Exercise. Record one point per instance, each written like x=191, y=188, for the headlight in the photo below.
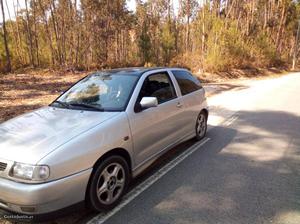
x=30, y=172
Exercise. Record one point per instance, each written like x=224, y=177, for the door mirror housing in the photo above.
x=148, y=102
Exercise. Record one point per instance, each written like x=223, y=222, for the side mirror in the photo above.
x=148, y=102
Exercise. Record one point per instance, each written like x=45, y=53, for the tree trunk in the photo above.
x=281, y=26
x=36, y=34
x=295, y=54
x=29, y=35
x=265, y=15
x=8, y=62
x=55, y=28
x=188, y=26
x=15, y=33
x=203, y=31
x=48, y=32
x=19, y=39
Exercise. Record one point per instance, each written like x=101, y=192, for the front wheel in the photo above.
x=108, y=183
x=201, y=126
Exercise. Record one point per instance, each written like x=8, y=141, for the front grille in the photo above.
x=3, y=166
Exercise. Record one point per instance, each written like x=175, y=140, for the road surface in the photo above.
x=246, y=171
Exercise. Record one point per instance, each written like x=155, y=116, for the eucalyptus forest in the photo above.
x=208, y=35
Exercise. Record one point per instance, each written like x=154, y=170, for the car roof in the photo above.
x=137, y=71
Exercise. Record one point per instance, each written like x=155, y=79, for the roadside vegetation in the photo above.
x=209, y=36
x=24, y=92
x=49, y=44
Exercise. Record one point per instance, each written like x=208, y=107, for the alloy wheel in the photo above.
x=201, y=125
x=111, y=183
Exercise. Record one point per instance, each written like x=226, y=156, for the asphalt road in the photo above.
x=248, y=171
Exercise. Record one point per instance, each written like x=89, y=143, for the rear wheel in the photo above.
x=201, y=125
x=108, y=183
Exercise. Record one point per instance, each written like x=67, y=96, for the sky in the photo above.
x=11, y=3
x=9, y=7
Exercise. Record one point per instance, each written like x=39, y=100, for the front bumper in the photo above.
x=43, y=198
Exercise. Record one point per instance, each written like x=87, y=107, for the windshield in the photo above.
x=101, y=91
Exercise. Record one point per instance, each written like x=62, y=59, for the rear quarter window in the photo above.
x=186, y=81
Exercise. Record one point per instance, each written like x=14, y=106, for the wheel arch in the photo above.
x=205, y=111
x=116, y=151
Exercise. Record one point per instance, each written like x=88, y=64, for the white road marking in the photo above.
x=222, y=120
x=102, y=217
x=230, y=120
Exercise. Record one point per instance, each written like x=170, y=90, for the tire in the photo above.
x=112, y=175
x=201, y=126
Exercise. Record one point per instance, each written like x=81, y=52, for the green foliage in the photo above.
x=2, y=53
x=167, y=42
x=144, y=43
x=104, y=34
x=215, y=52
x=264, y=51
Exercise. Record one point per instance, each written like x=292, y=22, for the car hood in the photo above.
x=30, y=137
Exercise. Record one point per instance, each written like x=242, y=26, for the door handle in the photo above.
x=179, y=105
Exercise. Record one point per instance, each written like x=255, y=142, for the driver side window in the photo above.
x=158, y=85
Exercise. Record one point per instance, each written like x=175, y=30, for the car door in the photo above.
x=192, y=96
x=155, y=129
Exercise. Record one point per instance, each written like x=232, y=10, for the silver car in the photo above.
x=95, y=137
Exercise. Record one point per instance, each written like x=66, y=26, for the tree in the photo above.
x=212, y=35
x=5, y=37
x=188, y=9
x=142, y=28
x=296, y=47
x=168, y=42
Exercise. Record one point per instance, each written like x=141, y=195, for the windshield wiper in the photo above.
x=87, y=106
x=66, y=105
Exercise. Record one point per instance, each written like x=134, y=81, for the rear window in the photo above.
x=186, y=81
